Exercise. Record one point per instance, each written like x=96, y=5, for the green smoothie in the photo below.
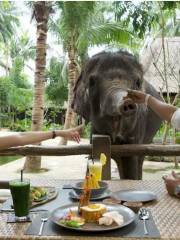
x=20, y=194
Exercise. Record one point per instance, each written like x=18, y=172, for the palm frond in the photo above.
x=105, y=34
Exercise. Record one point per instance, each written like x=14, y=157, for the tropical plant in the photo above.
x=17, y=75
x=8, y=26
x=16, y=51
x=8, y=20
x=57, y=89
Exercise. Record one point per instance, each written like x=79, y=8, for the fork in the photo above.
x=43, y=220
x=144, y=215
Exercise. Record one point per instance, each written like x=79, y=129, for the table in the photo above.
x=166, y=211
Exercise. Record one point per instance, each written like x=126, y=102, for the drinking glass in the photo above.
x=95, y=168
x=20, y=191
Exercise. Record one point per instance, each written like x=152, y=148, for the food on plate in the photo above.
x=37, y=193
x=72, y=220
x=93, y=212
x=107, y=221
x=88, y=212
x=109, y=217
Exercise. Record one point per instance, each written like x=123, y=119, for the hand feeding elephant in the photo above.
x=98, y=98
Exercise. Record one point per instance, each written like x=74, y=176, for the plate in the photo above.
x=134, y=196
x=52, y=193
x=128, y=214
x=106, y=194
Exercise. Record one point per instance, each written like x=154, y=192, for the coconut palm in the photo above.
x=41, y=12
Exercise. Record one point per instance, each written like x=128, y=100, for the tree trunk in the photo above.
x=41, y=13
x=70, y=119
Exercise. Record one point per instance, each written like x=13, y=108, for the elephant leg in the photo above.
x=129, y=167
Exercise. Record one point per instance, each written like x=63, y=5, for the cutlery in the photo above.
x=44, y=219
x=144, y=215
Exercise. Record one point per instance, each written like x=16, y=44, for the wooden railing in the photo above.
x=100, y=143
x=122, y=150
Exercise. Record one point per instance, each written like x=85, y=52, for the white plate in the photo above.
x=134, y=196
x=128, y=214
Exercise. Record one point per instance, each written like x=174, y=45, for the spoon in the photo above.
x=44, y=219
x=144, y=215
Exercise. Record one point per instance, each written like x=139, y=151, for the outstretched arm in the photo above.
x=162, y=109
x=35, y=137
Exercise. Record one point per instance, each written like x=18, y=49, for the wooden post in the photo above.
x=102, y=144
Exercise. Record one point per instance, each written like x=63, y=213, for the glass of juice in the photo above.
x=95, y=168
x=20, y=191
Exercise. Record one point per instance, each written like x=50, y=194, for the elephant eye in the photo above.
x=92, y=81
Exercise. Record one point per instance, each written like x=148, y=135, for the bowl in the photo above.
x=95, y=192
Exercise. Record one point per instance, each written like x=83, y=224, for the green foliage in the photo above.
x=169, y=5
x=17, y=75
x=21, y=98
x=12, y=100
x=5, y=89
x=22, y=47
x=141, y=16
x=57, y=89
x=86, y=24
x=21, y=125
x=8, y=20
x=105, y=33
x=145, y=15
x=73, y=20
x=87, y=131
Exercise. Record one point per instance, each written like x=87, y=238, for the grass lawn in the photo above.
x=6, y=159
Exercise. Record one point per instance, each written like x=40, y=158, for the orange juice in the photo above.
x=96, y=169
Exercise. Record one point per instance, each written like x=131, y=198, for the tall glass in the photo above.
x=95, y=168
x=20, y=191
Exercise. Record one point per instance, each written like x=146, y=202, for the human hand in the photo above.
x=73, y=133
x=136, y=96
x=172, y=181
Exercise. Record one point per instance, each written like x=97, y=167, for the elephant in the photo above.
x=99, y=98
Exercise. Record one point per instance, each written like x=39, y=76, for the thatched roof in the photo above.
x=152, y=60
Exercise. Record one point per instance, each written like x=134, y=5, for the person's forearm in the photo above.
x=23, y=139
x=163, y=110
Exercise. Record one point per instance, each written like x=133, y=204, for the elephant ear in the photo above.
x=80, y=103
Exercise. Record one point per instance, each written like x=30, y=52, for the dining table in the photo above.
x=165, y=210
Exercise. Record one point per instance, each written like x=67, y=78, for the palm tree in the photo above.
x=41, y=12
